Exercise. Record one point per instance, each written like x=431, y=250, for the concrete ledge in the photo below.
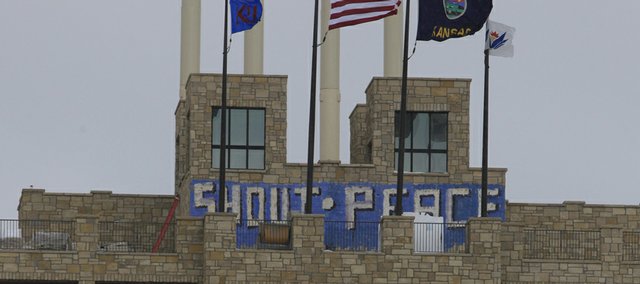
x=575, y=261
x=394, y=217
x=301, y=215
x=221, y=214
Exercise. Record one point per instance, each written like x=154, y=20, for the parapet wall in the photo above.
x=573, y=215
x=309, y=262
x=36, y=204
x=206, y=253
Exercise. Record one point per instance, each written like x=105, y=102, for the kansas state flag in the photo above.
x=245, y=14
x=441, y=20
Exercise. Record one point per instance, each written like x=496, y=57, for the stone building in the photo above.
x=103, y=237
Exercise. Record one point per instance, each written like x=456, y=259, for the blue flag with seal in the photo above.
x=245, y=14
x=441, y=20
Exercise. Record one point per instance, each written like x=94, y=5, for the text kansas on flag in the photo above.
x=245, y=14
x=440, y=20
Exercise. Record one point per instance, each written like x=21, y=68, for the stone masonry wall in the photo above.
x=87, y=264
x=196, y=113
x=573, y=215
x=308, y=262
x=360, y=136
x=206, y=253
x=613, y=258
x=36, y=204
x=496, y=252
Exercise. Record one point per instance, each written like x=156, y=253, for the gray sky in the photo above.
x=89, y=89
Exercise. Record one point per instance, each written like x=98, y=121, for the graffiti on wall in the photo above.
x=346, y=201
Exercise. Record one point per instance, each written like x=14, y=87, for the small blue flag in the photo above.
x=245, y=14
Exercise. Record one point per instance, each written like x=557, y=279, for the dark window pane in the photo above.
x=407, y=161
x=407, y=137
x=420, y=162
x=395, y=161
x=256, y=127
x=216, y=158
x=216, y=126
x=237, y=159
x=421, y=131
x=238, y=127
x=256, y=159
x=439, y=131
x=439, y=163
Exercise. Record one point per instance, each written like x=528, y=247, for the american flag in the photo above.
x=352, y=12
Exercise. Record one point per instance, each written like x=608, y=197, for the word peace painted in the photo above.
x=346, y=201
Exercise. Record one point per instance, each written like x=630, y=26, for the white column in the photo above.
x=189, y=42
x=393, y=32
x=254, y=48
x=329, y=89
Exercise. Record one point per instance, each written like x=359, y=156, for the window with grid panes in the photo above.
x=245, y=138
x=425, y=142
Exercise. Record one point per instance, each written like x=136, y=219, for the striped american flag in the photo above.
x=352, y=12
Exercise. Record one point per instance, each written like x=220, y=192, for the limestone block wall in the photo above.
x=573, y=215
x=87, y=264
x=308, y=262
x=423, y=94
x=360, y=136
x=194, y=119
x=608, y=260
x=36, y=204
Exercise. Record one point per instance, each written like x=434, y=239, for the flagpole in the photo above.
x=485, y=136
x=312, y=111
x=223, y=121
x=403, y=111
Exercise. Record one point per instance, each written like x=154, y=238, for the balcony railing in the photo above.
x=37, y=235
x=263, y=234
x=631, y=246
x=439, y=237
x=134, y=237
x=352, y=236
x=562, y=244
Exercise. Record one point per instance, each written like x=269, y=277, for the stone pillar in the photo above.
x=219, y=242
x=254, y=48
x=189, y=244
x=87, y=240
x=512, y=251
x=308, y=245
x=329, y=89
x=396, y=235
x=483, y=241
x=611, y=253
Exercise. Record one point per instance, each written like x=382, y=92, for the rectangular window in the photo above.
x=245, y=138
x=425, y=142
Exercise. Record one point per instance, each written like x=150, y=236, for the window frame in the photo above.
x=411, y=151
x=246, y=146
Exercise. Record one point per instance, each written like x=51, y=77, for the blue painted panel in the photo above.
x=349, y=202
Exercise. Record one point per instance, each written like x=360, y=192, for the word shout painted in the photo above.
x=350, y=202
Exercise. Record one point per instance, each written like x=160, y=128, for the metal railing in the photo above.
x=37, y=235
x=562, y=244
x=263, y=234
x=352, y=236
x=439, y=237
x=134, y=236
x=631, y=246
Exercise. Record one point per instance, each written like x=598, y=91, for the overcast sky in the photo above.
x=89, y=88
